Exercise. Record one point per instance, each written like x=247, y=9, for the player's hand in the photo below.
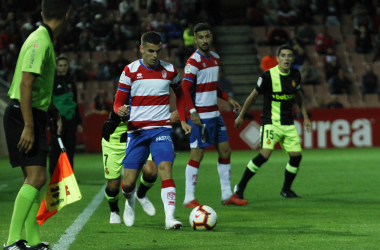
x=186, y=127
x=27, y=140
x=235, y=105
x=123, y=110
x=238, y=122
x=174, y=116
x=308, y=125
x=196, y=119
x=80, y=128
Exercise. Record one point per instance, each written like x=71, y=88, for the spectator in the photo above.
x=377, y=47
x=86, y=40
x=173, y=28
x=172, y=6
x=180, y=55
x=272, y=16
x=277, y=36
x=101, y=104
x=76, y=68
x=268, y=61
x=323, y=41
x=99, y=6
x=362, y=19
x=286, y=15
x=86, y=12
x=157, y=6
x=11, y=22
x=83, y=24
x=98, y=28
x=363, y=40
x=319, y=103
x=306, y=33
x=376, y=20
x=188, y=38
x=334, y=104
x=256, y=14
x=330, y=63
x=125, y=6
x=6, y=39
x=332, y=13
x=299, y=57
x=69, y=38
x=304, y=12
x=118, y=65
x=156, y=21
x=293, y=40
x=224, y=83
x=129, y=24
x=309, y=74
x=339, y=83
x=369, y=82
x=104, y=68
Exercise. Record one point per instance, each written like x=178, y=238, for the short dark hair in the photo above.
x=151, y=37
x=61, y=57
x=55, y=9
x=284, y=46
x=201, y=27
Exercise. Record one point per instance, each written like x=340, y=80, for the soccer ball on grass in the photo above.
x=203, y=218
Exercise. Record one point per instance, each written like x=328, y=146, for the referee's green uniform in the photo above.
x=277, y=123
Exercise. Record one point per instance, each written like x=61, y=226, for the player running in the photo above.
x=114, y=138
x=201, y=92
x=279, y=85
x=146, y=82
x=25, y=121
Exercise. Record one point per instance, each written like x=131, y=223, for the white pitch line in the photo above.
x=69, y=236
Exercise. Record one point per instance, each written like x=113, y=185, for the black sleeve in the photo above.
x=77, y=114
x=262, y=82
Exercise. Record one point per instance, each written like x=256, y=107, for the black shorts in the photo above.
x=14, y=125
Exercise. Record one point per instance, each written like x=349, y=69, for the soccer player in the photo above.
x=200, y=87
x=25, y=121
x=114, y=138
x=279, y=85
x=146, y=82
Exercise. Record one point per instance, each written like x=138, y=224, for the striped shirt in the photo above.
x=200, y=84
x=148, y=91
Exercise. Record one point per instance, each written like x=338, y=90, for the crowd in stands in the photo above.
x=336, y=42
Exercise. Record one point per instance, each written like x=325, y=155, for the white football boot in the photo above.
x=115, y=218
x=129, y=212
x=172, y=224
x=146, y=205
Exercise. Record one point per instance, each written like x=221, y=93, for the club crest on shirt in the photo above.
x=187, y=68
x=216, y=62
x=293, y=83
x=259, y=81
x=204, y=65
x=164, y=74
x=268, y=142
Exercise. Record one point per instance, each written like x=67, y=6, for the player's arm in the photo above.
x=122, y=94
x=223, y=95
x=187, y=83
x=298, y=96
x=181, y=106
x=248, y=102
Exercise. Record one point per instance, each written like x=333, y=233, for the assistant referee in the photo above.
x=279, y=85
x=25, y=120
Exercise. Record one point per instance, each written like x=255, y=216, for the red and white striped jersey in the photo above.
x=200, y=84
x=149, y=94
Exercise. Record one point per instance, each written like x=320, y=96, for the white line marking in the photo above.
x=6, y=184
x=69, y=236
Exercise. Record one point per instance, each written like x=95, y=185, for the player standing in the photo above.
x=200, y=87
x=146, y=82
x=25, y=121
x=279, y=85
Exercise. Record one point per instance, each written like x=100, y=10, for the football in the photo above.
x=203, y=218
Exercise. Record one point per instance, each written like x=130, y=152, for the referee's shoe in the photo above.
x=18, y=245
x=288, y=194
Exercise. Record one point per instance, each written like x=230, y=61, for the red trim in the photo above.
x=222, y=94
x=152, y=100
x=194, y=164
x=224, y=161
x=206, y=87
x=167, y=183
x=120, y=100
x=134, y=125
x=207, y=109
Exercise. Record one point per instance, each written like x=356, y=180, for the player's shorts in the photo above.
x=287, y=135
x=158, y=141
x=213, y=131
x=14, y=125
x=113, y=155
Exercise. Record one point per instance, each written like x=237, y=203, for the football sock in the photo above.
x=250, y=171
x=291, y=171
x=113, y=199
x=128, y=194
x=31, y=224
x=224, y=170
x=23, y=203
x=191, y=180
x=145, y=185
x=168, y=197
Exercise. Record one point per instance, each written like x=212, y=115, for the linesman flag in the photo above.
x=63, y=189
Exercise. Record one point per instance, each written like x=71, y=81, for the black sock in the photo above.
x=293, y=165
x=289, y=178
x=248, y=173
x=113, y=203
x=145, y=185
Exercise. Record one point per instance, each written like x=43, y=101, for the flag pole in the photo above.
x=61, y=144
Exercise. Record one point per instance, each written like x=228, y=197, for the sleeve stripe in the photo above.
x=188, y=79
x=123, y=89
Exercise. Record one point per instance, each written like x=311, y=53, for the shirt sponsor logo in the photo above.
x=164, y=74
x=282, y=97
x=139, y=76
x=187, y=68
x=204, y=65
x=164, y=138
x=32, y=58
x=259, y=81
x=36, y=45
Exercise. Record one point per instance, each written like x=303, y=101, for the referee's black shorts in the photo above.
x=14, y=125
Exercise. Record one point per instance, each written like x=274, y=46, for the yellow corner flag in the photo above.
x=62, y=190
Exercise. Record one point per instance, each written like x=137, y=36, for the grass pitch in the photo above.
x=339, y=208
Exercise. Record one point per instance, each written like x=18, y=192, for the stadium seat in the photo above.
x=318, y=19
x=259, y=33
x=322, y=90
x=334, y=31
x=343, y=99
x=308, y=91
x=356, y=101
x=359, y=67
x=97, y=55
x=371, y=100
x=350, y=41
x=262, y=51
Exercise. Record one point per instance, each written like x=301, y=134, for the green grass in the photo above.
x=339, y=208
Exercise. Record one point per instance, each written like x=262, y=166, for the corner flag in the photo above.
x=62, y=190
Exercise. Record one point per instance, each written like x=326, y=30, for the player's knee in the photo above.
x=113, y=185
x=225, y=153
x=38, y=181
x=197, y=154
x=295, y=160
